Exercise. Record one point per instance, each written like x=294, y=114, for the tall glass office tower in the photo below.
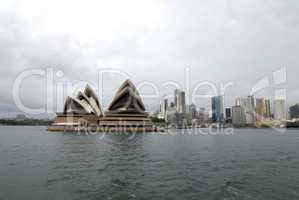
x=217, y=109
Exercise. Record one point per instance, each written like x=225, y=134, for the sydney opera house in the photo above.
x=126, y=113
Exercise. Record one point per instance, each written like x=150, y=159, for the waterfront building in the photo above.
x=176, y=96
x=86, y=102
x=190, y=113
x=126, y=113
x=248, y=107
x=178, y=112
x=267, y=108
x=217, y=109
x=280, y=112
x=191, y=109
x=163, y=108
x=202, y=115
x=238, y=116
x=82, y=110
x=228, y=115
x=294, y=111
x=181, y=102
x=174, y=118
x=260, y=108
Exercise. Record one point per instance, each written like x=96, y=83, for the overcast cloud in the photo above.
x=219, y=41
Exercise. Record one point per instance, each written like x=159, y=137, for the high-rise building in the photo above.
x=260, y=108
x=217, y=109
x=176, y=113
x=192, y=110
x=187, y=114
x=248, y=106
x=294, y=111
x=251, y=97
x=163, y=108
x=202, y=115
x=280, y=112
x=228, y=115
x=238, y=116
x=165, y=105
x=180, y=101
x=175, y=119
x=176, y=96
x=268, y=108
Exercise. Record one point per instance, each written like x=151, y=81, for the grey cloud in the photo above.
x=221, y=41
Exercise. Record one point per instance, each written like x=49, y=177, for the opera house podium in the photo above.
x=126, y=113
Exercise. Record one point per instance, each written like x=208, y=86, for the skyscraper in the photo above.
x=268, y=108
x=193, y=111
x=251, y=99
x=179, y=101
x=260, y=108
x=202, y=115
x=176, y=96
x=163, y=108
x=176, y=112
x=280, y=112
x=182, y=102
x=165, y=104
x=238, y=116
x=190, y=113
x=228, y=115
x=248, y=106
x=217, y=109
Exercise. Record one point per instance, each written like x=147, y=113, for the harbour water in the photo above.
x=248, y=164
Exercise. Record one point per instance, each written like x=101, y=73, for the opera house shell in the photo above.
x=126, y=112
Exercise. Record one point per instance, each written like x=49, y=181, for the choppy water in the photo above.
x=251, y=164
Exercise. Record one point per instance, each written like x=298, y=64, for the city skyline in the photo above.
x=247, y=111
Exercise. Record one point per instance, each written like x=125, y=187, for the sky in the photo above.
x=193, y=44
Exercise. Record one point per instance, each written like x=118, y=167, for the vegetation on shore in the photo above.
x=26, y=122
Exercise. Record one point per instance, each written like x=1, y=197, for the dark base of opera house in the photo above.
x=114, y=123
x=126, y=113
